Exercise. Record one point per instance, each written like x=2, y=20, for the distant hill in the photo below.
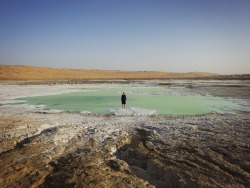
x=20, y=72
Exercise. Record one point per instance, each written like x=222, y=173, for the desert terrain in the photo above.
x=46, y=148
x=50, y=148
x=20, y=72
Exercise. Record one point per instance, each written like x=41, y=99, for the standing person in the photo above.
x=123, y=99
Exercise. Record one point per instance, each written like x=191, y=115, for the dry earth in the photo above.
x=206, y=151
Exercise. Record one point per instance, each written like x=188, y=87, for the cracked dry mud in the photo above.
x=63, y=149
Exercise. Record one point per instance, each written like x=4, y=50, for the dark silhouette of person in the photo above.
x=123, y=99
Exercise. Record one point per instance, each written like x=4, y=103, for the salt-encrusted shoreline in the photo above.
x=9, y=93
x=42, y=148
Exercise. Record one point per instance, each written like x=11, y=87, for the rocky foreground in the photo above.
x=42, y=148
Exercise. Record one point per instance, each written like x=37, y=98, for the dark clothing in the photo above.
x=123, y=99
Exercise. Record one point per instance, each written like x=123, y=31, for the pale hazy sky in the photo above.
x=160, y=35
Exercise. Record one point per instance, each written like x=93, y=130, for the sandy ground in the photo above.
x=20, y=72
x=42, y=148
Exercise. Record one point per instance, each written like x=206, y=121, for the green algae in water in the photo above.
x=101, y=100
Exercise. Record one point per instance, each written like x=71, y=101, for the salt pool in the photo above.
x=107, y=100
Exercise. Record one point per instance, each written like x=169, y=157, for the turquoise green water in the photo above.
x=101, y=100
